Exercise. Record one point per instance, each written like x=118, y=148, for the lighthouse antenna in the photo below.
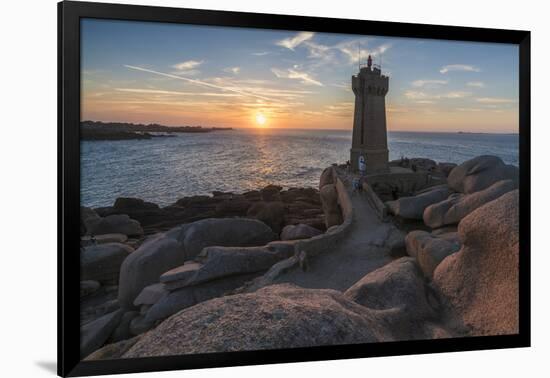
x=359, y=55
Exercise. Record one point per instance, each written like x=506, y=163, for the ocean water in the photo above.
x=162, y=170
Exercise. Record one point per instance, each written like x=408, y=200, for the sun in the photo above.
x=260, y=119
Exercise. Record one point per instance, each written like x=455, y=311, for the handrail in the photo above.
x=377, y=66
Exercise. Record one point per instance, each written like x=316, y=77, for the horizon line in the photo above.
x=312, y=128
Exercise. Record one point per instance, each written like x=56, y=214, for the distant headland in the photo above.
x=97, y=130
x=485, y=133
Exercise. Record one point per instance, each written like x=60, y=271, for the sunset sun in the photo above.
x=260, y=119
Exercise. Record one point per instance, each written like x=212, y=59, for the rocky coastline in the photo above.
x=118, y=135
x=272, y=205
x=96, y=130
x=400, y=259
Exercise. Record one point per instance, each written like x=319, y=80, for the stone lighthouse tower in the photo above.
x=369, y=139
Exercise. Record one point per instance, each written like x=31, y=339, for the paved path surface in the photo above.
x=361, y=252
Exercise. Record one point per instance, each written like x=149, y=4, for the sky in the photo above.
x=177, y=75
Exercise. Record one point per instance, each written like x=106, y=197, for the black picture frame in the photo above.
x=69, y=15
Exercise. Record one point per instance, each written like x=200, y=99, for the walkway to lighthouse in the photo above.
x=362, y=251
x=363, y=246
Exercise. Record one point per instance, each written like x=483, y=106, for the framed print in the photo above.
x=241, y=188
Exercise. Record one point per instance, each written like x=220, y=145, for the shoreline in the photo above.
x=211, y=194
x=97, y=130
x=274, y=205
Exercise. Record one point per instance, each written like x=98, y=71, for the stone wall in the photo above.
x=375, y=201
x=325, y=242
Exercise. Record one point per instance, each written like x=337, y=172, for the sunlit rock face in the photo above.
x=481, y=280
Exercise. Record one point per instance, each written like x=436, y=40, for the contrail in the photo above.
x=198, y=82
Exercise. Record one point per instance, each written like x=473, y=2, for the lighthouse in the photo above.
x=370, y=140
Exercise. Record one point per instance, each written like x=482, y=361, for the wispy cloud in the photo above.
x=293, y=42
x=342, y=109
x=354, y=53
x=273, y=105
x=261, y=53
x=233, y=70
x=495, y=100
x=457, y=94
x=476, y=84
x=332, y=53
x=198, y=82
x=265, y=87
x=428, y=83
x=187, y=65
x=182, y=104
x=397, y=110
x=316, y=50
x=418, y=95
x=175, y=93
x=344, y=86
x=290, y=73
x=469, y=109
x=459, y=67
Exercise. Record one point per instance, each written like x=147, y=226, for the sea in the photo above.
x=164, y=169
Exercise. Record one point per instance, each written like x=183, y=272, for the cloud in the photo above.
x=428, y=83
x=459, y=67
x=175, y=93
x=261, y=53
x=316, y=50
x=415, y=95
x=187, y=68
x=292, y=43
x=330, y=53
x=381, y=49
x=187, y=65
x=351, y=49
x=495, y=100
x=398, y=109
x=233, y=70
x=272, y=105
x=265, y=87
x=469, y=109
x=199, y=82
x=290, y=73
x=344, y=86
x=477, y=84
x=457, y=94
x=342, y=109
x=423, y=96
x=262, y=91
x=341, y=105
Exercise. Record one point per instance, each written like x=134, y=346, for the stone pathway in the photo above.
x=361, y=252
